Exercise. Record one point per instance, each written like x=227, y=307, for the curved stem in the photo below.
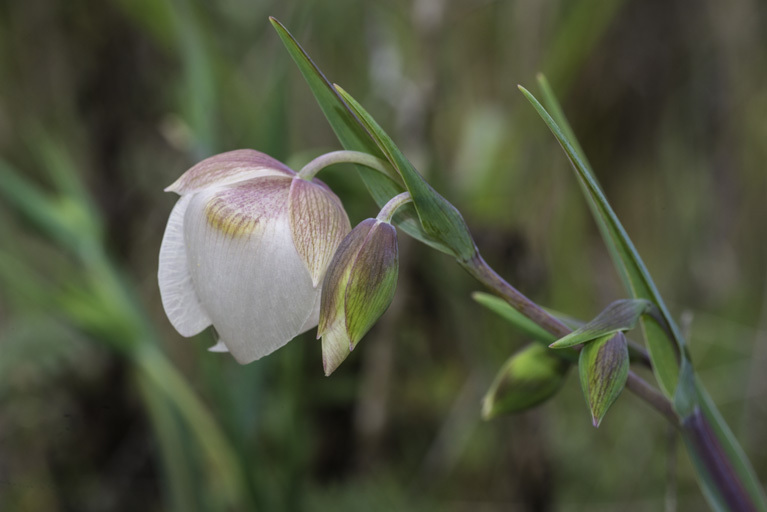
x=652, y=396
x=348, y=157
x=482, y=272
x=390, y=208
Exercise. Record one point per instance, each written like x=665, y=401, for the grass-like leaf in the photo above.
x=733, y=452
x=440, y=219
x=621, y=315
x=352, y=135
x=625, y=256
x=691, y=395
x=438, y=223
x=517, y=319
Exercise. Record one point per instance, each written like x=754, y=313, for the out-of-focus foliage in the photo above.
x=103, y=104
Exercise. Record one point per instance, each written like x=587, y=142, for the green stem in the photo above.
x=348, y=157
x=482, y=272
x=390, y=208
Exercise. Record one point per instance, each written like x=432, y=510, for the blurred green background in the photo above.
x=104, y=103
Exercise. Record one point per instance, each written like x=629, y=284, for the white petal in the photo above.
x=228, y=168
x=314, y=317
x=179, y=299
x=246, y=270
x=218, y=347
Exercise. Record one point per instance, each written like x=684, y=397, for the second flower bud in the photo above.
x=358, y=288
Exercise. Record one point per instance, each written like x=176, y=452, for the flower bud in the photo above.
x=358, y=288
x=245, y=249
x=528, y=378
x=603, y=367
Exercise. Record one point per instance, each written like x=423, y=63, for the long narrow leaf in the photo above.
x=47, y=212
x=440, y=219
x=690, y=394
x=641, y=286
x=621, y=315
x=732, y=449
x=433, y=220
x=350, y=132
x=517, y=319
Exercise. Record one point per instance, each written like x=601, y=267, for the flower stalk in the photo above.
x=395, y=203
x=311, y=169
x=478, y=268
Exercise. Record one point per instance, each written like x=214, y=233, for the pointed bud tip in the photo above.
x=596, y=421
x=329, y=367
x=325, y=368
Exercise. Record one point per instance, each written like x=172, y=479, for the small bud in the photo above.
x=359, y=286
x=528, y=378
x=603, y=367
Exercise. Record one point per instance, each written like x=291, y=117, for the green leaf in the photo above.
x=528, y=378
x=639, y=284
x=621, y=315
x=353, y=136
x=625, y=256
x=520, y=321
x=730, y=447
x=603, y=368
x=58, y=218
x=440, y=219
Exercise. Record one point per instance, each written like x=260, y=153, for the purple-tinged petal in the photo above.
x=229, y=168
x=319, y=223
x=237, y=210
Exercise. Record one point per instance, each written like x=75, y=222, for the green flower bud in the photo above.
x=603, y=368
x=358, y=288
x=528, y=378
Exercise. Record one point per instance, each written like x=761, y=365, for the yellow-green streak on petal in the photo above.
x=237, y=210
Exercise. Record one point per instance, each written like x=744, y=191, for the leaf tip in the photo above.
x=340, y=90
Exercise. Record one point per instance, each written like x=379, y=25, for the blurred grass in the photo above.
x=103, y=104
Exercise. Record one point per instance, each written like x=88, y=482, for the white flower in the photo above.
x=245, y=250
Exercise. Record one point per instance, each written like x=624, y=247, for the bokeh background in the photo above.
x=104, y=407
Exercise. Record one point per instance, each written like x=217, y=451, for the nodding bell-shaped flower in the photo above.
x=358, y=288
x=245, y=250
